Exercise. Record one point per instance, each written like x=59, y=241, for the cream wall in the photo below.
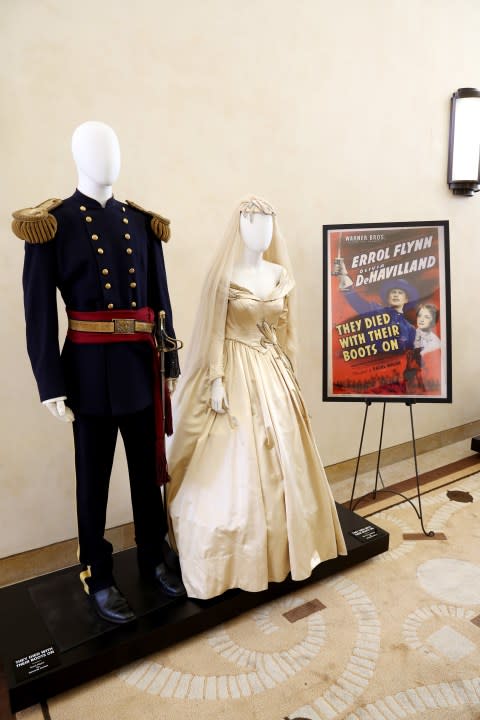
x=335, y=112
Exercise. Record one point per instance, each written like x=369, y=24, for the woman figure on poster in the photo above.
x=425, y=337
x=422, y=371
x=249, y=500
x=429, y=346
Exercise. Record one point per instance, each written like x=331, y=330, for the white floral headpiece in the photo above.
x=255, y=205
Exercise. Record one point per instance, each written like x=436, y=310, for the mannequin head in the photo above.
x=96, y=152
x=256, y=231
x=209, y=325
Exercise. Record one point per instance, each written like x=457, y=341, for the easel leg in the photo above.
x=419, y=512
x=367, y=405
x=377, y=473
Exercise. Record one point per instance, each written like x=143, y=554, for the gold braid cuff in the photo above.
x=160, y=225
x=35, y=225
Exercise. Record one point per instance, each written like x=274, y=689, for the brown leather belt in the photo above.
x=117, y=326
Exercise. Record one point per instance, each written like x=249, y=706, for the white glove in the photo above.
x=218, y=397
x=171, y=385
x=59, y=410
x=340, y=269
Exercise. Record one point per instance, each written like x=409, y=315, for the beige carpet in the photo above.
x=398, y=637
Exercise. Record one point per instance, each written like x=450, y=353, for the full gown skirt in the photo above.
x=249, y=500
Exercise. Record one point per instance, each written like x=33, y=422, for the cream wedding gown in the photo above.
x=249, y=500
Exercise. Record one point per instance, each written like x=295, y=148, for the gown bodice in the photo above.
x=247, y=312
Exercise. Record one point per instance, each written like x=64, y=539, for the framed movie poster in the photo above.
x=386, y=327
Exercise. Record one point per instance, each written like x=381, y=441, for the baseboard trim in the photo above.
x=344, y=470
x=56, y=556
x=429, y=481
x=43, y=560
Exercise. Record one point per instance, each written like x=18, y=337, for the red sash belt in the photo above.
x=126, y=332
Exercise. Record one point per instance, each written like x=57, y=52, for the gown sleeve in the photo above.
x=216, y=368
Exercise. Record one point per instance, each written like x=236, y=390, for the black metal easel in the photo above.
x=418, y=511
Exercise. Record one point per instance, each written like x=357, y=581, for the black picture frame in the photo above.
x=376, y=347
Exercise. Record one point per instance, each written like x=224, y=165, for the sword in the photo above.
x=340, y=270
x=165, y=344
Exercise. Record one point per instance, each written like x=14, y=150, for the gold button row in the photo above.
x=100, y=251
x=110, y=306
x=127, y=236
x=131, y=270
x=89, y=219
x=108, y=285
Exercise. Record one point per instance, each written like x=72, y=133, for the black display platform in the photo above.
x=51, y=640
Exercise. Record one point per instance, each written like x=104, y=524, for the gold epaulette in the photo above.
x=160, y=225
x=36, y=225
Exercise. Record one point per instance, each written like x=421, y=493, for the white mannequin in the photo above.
x=96, y=152
x=252, y=272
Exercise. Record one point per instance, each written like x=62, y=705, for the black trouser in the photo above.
x=95, y=439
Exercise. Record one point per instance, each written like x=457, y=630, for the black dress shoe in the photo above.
x=111, y=605
x=168, y=581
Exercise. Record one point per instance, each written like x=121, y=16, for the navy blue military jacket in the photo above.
x=100, y=259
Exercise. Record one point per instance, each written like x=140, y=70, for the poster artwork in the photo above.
x=387, y=312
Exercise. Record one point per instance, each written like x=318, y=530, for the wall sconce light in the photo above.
x=464, y=142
